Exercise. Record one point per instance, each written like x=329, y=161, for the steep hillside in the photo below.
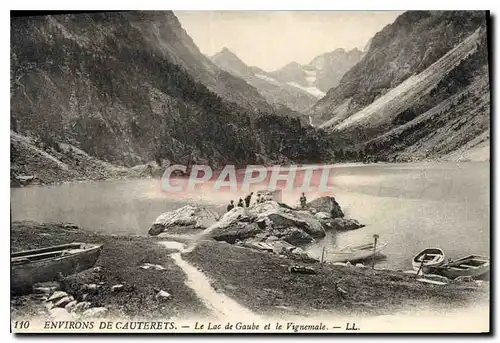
x=292, y=72
x=451, y=120
x=441, y=109
x=165, y=35
x=330, y=67
x=321, y=74
x=124, y=88
x=274, y=91
x=30, y=157
x=407, y=47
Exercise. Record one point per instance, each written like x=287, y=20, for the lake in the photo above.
x=410, y=206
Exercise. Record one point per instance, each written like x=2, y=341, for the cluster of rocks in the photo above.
x=63, y=306
x=268, y=226
x=25, y=180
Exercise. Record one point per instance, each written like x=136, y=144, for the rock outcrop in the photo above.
x=343, y=224
x=328, y=205
x=296, y=227
x=187, y=217
x=277, y=228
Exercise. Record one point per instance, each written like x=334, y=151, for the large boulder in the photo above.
x=188, y=217
x=296, y=227
x=323, y=215
x=267, y=207
x=313, y=226
x=327, y=204
x=344, y=224
x=293, y=236
x=282, y=218
x=236, y=231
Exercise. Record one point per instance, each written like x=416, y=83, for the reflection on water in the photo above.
x=411, y=206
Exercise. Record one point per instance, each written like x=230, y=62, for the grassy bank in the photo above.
x=259, y=281
x=120, y=260
x=262, y=282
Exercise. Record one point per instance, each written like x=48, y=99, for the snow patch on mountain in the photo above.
x=311, y=76
x=267, y=78
x=311, y=90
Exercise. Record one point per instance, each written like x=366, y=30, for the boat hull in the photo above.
x=24, y=276
x=465, y=267
x=356, y=255
x=428, y=265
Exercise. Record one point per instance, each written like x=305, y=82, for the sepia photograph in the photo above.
x=230, y=171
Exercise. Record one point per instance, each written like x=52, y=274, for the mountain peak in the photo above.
x=292, y=64
x=226, y=54
x=230, y=62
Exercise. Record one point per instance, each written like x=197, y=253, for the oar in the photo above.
x=375, y=238
x=421, y=265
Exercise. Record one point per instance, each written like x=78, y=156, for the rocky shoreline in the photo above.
x=120, y=286
x=253, y=255
x=269, y=226
x=125, y=260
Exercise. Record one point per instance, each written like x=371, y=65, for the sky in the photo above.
x=271, y=39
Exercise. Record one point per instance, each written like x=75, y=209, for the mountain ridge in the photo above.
x=298, y=85
x=274, y=91
x=104, y=84
x=404, y=113
x=414, y=41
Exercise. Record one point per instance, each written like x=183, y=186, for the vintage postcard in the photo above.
x=250, y=171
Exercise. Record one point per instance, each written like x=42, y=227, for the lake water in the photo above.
x=410, y=206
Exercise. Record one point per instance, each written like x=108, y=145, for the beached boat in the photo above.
x=356, y=253
x=434, y=279
x=47, y=264
x=472, y=265
x=427, y=259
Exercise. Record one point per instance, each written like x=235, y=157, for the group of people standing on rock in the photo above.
x=246, y=202
x=260, y=199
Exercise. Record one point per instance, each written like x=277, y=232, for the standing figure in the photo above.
x=240, y=203
x=247, y=199
x=230, y=206
x=259, y=199
x=303, y=201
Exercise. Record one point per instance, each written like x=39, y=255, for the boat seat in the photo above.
x=41, y=256
x=468, y=266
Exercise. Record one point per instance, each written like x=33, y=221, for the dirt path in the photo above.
x=221, y=306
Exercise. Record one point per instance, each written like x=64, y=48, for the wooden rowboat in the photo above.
x=428, y=259
x=356, y=253
x=472, y=265
x=47, y=264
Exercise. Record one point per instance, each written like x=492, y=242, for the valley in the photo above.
x=418, y=91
